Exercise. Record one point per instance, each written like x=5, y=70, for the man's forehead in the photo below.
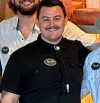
x=56, y=10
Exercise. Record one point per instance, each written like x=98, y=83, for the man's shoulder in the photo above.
x=73, y=43
x=93, y=56
x=26, y=49
x=95, y=53
x=9, y=22
x=10, y=19
x=92, y=61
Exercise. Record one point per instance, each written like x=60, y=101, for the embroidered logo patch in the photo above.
x=50, y=62
x=95, y=65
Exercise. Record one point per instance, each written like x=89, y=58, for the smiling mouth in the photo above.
x=51, y=29
x=26, y=2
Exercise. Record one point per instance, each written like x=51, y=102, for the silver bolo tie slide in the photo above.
x=67, y=87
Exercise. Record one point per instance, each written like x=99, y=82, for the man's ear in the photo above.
x=12, y=1
x=37, y=22
x=66, y=20
x=40, y=0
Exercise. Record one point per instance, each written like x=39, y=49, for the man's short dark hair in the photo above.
x=50, y=3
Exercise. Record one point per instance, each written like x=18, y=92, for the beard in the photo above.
x=27, y=11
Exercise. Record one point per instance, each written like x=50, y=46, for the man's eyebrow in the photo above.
x=58, y=16
x=45, y=17
x=54, y=16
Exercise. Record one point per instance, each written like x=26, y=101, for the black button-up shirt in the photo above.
x=41, y=74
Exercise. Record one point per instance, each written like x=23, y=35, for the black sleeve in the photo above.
x=0, y=69
x=0, y=75
x=12, y=80
x=83, y=52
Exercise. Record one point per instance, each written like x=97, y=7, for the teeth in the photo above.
x=52, y=29
x=26, y=3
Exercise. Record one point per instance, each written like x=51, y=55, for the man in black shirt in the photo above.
x=0, y=69
x=48, y=70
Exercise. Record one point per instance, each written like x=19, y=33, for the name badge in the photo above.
x=5, y=50
x=95, y=65
x=50, y=62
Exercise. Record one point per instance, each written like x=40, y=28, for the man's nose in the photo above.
x=52, y=22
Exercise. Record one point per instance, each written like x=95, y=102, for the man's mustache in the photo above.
x=52, y=27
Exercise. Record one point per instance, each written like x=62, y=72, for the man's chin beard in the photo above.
x=29, y=11
x=26, y=12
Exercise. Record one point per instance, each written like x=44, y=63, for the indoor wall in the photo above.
x=5, y=12
x=93, y=3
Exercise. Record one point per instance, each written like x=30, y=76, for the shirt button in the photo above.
x=61, y=97
x=63, y=83
x=73, y=65
x=48, y=70
x=37, y=71
x=91, y=78
x=22, y=38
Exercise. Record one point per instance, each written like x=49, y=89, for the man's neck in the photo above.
x=26, y=24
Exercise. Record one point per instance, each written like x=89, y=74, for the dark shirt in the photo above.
x=0, y=75
x=39, y=73
x=0, y=68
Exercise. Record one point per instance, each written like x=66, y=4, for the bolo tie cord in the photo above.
x=57, y=48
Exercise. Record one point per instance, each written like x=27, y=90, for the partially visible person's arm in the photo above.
x=84, y=89
x=95, y=45
x=91, y=76
x=0, y=69
x=12, y=81
x=73, y=32
x=8, y=97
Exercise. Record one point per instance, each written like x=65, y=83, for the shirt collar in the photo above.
x=15, y=24
x=61, y=44
x=36, y=28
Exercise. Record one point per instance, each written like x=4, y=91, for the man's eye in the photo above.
x=45, y=19
x=56, y=19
